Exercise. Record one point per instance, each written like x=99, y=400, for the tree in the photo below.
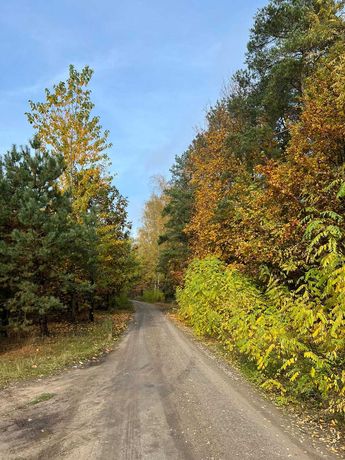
x=174, y=251
x=210, y=177
x=286, y=42
x=64, y=124
x=37, y=234
x=115, y=257
x=314, y=162
x=147, y=239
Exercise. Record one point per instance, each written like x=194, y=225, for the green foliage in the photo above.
x=296, y=342
x=41, y=398
x=153, y=295
x=36, y=232
x=122, y=301
x=64, y=234
x=174, y=250
x=287, y=40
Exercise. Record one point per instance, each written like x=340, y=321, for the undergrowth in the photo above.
x=34, y=356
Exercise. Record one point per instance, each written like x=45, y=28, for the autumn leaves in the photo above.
x=258, y=200
x=65, y=247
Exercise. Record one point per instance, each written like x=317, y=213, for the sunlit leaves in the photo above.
x=268, y=174
x=290, y=338
x=65, y=124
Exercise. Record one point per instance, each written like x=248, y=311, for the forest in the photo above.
x=249, y=232
x=65, y=249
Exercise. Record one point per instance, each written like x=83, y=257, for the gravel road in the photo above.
x=159, y=395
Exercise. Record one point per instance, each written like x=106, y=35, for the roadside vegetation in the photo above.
x=266, y=328
x=150, y=284
x=33, y=356
x=252, y=230
x=65, y=249
x=154, y=295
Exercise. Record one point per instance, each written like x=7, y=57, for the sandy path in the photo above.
x=158, y=396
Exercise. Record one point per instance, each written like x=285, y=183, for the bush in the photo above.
x=122, y=302
x=153, y=295
x=290, y=337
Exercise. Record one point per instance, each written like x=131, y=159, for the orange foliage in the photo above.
x=253, y=217
x=213, y=166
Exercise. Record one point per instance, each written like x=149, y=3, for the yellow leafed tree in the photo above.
x=64, y=124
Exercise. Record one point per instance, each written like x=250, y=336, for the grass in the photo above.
x=34, y=356
x=40, y=398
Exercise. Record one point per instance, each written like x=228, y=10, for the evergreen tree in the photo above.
x=174, y=243
x=37, y=233
x=65, y=125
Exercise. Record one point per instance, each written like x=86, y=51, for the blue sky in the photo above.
x=158, y=66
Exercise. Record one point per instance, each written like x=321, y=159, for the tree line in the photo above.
x=65, y=248
x=253, y=230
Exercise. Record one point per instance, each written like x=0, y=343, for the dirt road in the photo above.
x=158, y=396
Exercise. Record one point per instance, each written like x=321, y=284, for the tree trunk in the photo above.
x=73, y=315
x=91, y=310
x=4, y=322
x=44, y=326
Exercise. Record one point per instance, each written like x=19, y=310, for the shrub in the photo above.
x=153, y=295
x=290, y=336
x=122, y=302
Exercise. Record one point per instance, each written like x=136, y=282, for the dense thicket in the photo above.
x=64, y=234
x=262, y=189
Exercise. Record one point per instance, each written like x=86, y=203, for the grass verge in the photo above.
x=68, y=344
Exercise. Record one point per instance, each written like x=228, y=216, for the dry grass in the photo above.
x=35, y=356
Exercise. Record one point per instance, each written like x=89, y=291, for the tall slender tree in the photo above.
x=65, y=124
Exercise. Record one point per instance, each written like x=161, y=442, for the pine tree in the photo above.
x=37, y=234
x=174, y=250
x=65, y=125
